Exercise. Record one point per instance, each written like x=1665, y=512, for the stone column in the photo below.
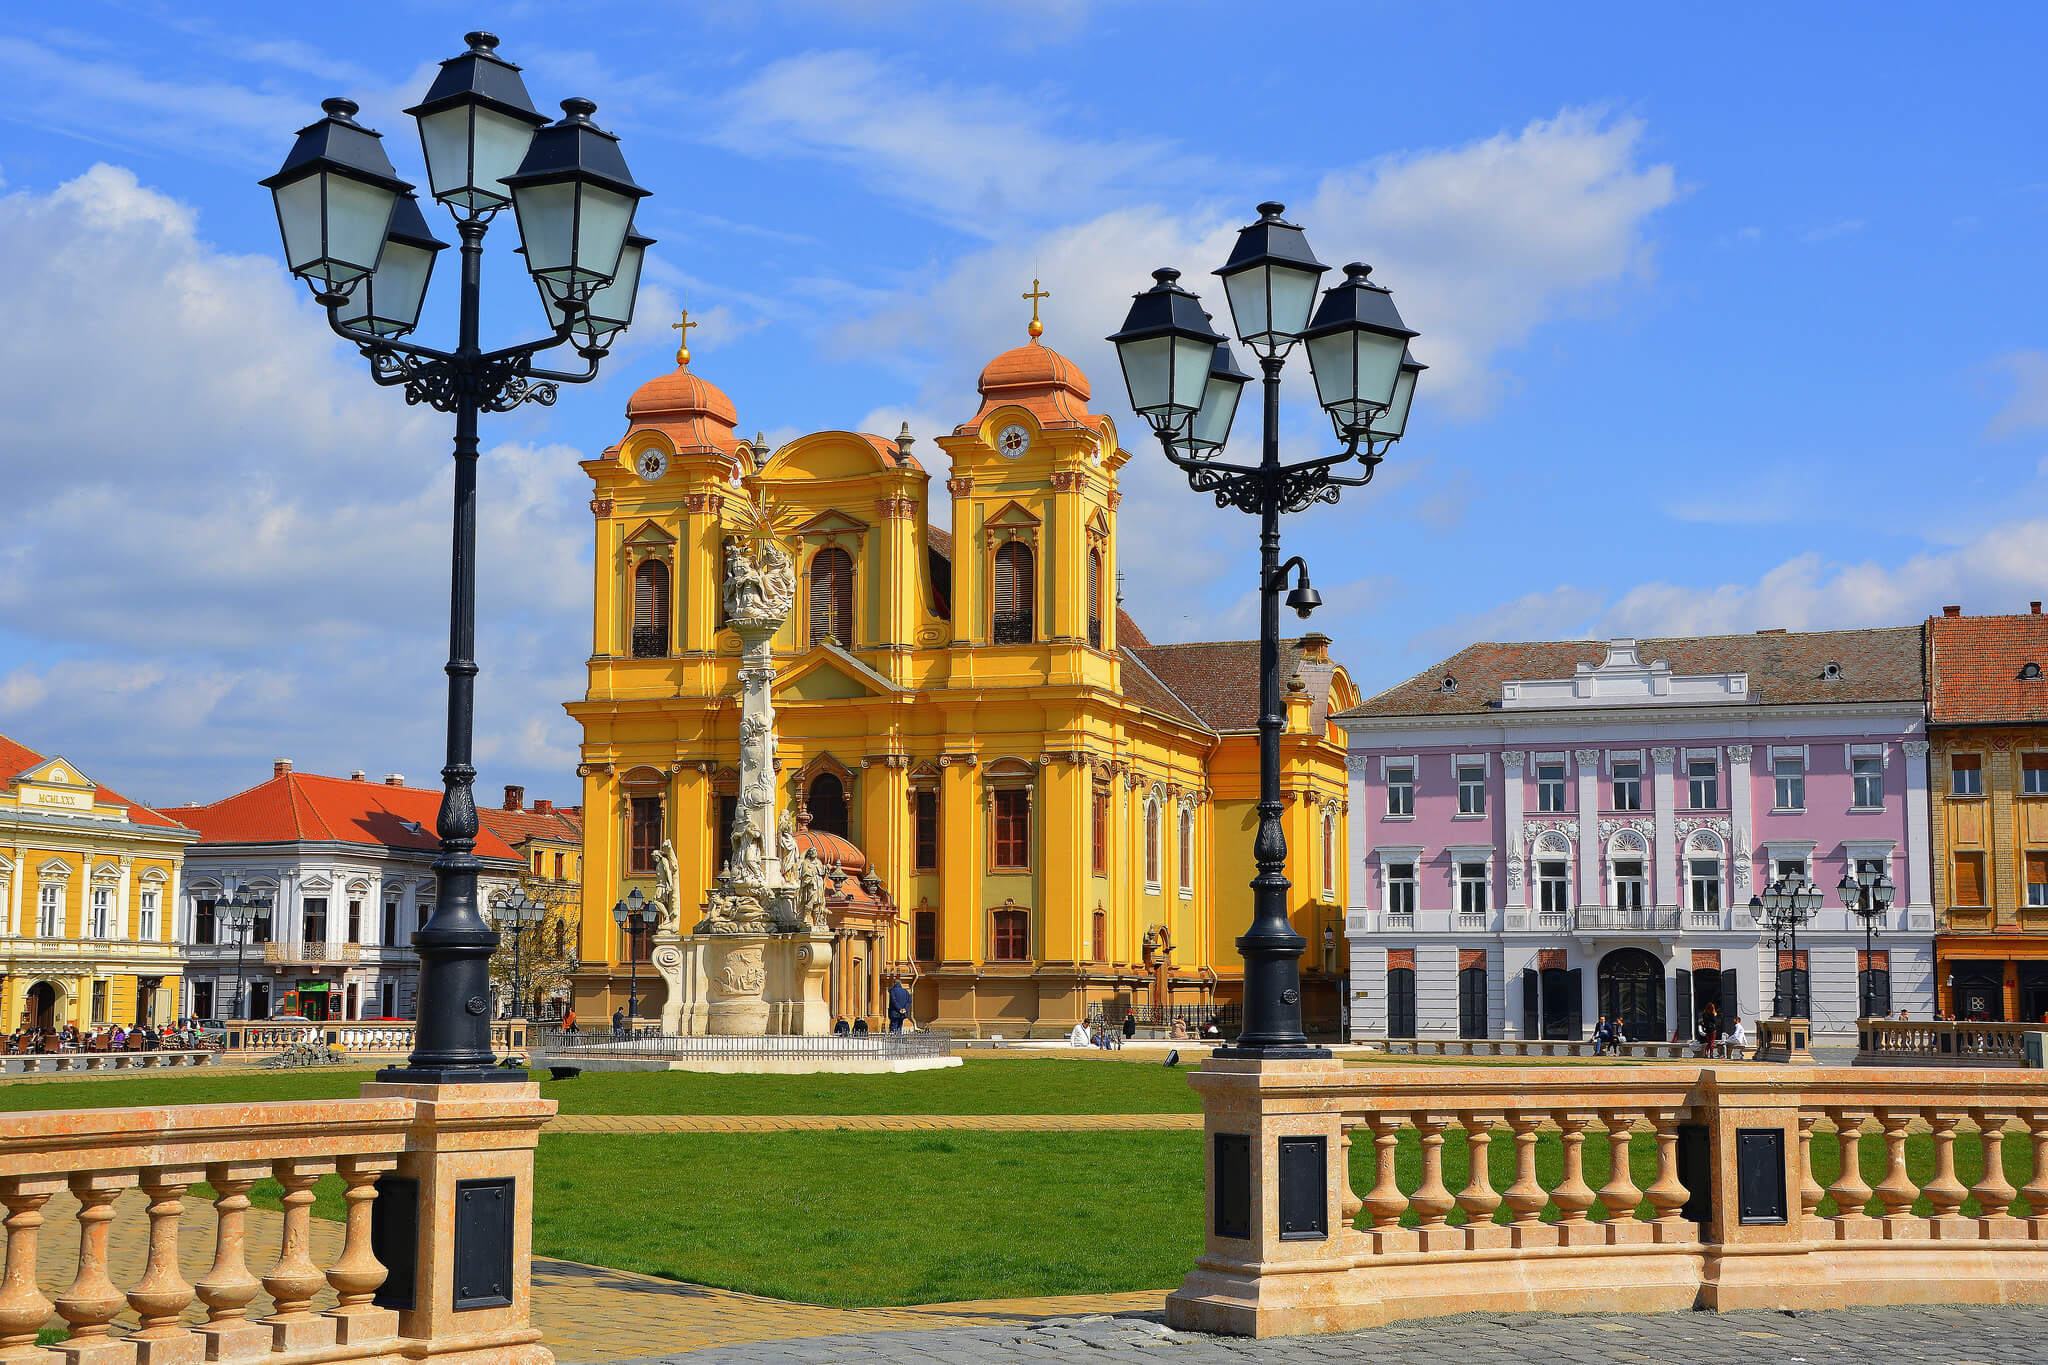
x=1664, y=805
x=1514, y=793
x=1589, y=825
x=1919, y=862
x=1741, y=794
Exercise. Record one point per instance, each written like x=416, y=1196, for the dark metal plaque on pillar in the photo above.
x=1304, y=1188
x=395, y=1239
x=1760, y=1175
x=483, y=1243
x=1696, y=1172
x=1233, y=1185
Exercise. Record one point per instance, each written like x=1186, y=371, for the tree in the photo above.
x=547, y=953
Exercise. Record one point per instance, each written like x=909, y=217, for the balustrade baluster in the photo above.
x=227, y=1286
x=1348, y=1202
x=1620, y=1196
x=1432, y=1199
x=1945, y=1191
x=294, y=1280
x=1897, y=1191
x=1526, y=1196
x=1810, y=1192
x=1994, y=1193
x=2035, y=1192
x=1479, y=1199
x=24, y=1308
x=1573, y=1196
x=1667, y=1194
x=91, y=1302
x=160, y=1296
x=357, y=1273
x=1384, y=1202
x=1850, y=1192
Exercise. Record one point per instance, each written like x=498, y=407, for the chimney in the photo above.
x=2034, y=607
x=515, y=797
x=280, y=766
x=1316, y=646
x=541, y=807
x=394, y=779
x=356, y=775
x=1951, y=611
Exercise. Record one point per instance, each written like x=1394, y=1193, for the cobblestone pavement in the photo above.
x=869, y=1123
x=1924, y=1336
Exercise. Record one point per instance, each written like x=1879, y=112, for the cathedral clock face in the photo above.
x=1013, y=442
x=652, y=465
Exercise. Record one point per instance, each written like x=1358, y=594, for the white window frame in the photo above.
x=1459, y=764
x=2026, y=775
x=1400, y=856
x=102, y=911
x=1976, y=775
x=1861, y=753
x=1562, y=783
x=1694, y=882
x=1389, y=765
x=146, y=905
x=1614, y=781
x=1462, y=883
x=2037, y=892
x=1709, y=756
x=1545, y=883
x=1184, y=843
x=1639, y=883
x=1786, y=799
x=50, y=909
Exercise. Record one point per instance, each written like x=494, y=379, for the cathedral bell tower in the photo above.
x=1034, y=516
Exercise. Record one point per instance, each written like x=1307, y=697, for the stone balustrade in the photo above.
x=312, y=954
x=1927, y=1042
x=1518, y=1047
x=393, y=1037
x=21, y=1062
x=413, y=1161
x=1661, y=1187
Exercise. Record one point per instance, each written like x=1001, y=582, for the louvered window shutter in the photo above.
x=1006, y=582
x=650, y=609
x=832, y=596
x=1024, y=589
x=1095, y=598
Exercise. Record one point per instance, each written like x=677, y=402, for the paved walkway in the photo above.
x=1925, y=1336
x=870, y=1123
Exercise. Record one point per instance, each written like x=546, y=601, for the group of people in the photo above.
x=181, y=1035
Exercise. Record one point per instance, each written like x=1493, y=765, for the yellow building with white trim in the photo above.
x=1060, y=812
x=88, y=882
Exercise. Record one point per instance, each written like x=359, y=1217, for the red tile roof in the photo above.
x=16, y=759
x=515, y=827
x=1219, y=679
x=1784, y=669
x=1974, y=665
x=297, y=806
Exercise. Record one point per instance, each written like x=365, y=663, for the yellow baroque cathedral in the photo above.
x=1035, y=812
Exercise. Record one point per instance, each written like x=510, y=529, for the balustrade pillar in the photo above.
x=1945, y=1191
x=294, y=1280
x=1994, y=1193
x=1850, y=1192
x=1810, y=1192
x=160, y=1296
x=1526, y=1197
x=1667, y=1193
x=92, y=1302
x=1479, y=1199
x=1897, y=1190
x=24, y=1308
x=357, y=1273
x=227, y=1286
x=1573, y=1196
x=1432, y=1199
x=1620, y=1196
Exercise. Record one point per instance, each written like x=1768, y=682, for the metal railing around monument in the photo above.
x=654, y=1043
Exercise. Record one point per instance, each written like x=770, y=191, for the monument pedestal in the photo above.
x=746, y=985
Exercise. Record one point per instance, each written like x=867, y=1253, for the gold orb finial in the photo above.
x=1037, y=328
x=683, y=341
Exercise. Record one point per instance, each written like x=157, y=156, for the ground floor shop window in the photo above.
x=202, y=1000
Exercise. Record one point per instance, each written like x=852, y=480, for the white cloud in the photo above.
x=222, y=537
x=2027, y=409
x=980, y=157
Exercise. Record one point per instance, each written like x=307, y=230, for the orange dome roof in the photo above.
x=693, y=412
x=831, y=849
x=1039, y=379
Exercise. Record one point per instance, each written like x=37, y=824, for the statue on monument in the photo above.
x=760, y=581
x=665, y=885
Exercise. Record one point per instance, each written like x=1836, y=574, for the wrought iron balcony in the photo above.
x=1014, y=628
x=313, y=954
x=1605, y=917
x=649, y=642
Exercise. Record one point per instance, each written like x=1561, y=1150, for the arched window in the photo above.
x=1185, y=853
x=826, y=802
x=1011, y=935
x=1095, y=598
x=650, y=609
x=1015, y=595
x=1329, y=855
x=1627, y=857
x=832, y=596
x=1152, y=844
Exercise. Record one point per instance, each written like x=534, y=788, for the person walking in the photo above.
x=569, y=1020
x=1130, y=1028
x=899, y=1006
x=618, y=1023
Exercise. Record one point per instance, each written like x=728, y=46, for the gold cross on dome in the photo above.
x=683, y=342
x=1037, y=328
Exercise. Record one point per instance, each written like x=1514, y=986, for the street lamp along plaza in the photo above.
x=242, y=911
x=1868, y=894
x=1787, y=903
x=518, y=913
x=353, y=231
x=1184, y=380
x=634, y=914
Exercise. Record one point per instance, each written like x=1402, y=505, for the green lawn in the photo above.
x=984, y=1085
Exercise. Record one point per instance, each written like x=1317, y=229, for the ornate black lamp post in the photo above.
x=1788, y=903
x=353, y=231
x=1868, y=894
x=636, y=915
x=1184, y=381
x=517, y=914
x=241, y=912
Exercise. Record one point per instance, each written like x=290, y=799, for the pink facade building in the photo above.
x=1548, y=832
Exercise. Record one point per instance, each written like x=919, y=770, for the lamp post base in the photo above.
x=452, y=1075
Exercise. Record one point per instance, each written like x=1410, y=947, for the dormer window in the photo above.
x=1831, y=673
x=1450, y=684
x=2030, y=671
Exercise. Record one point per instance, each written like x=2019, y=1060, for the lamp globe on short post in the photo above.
x=1868, y=894
x=1184, y=380
x=353, y=231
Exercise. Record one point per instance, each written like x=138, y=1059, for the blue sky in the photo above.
x=1735, y=318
